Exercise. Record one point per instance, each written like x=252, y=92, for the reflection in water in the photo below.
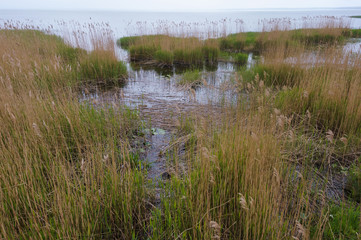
x=354, y=46
x=149, y=86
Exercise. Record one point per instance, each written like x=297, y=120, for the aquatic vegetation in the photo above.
x=142, y=53
x=191, y=78
x=167, y=50
x=315, y=37
x=352, y=33
x=164, y=57
x=239, y=42
x=241, y=58
x=193, y=51
x=125, y=42
x=102, y=68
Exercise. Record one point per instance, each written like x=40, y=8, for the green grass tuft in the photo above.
x=126, y=42
x=191, y=78
x=102, y=68
x=164, y=57
x=344, y=222
x=241, y=58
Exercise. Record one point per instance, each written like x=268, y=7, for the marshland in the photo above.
x=181, y=131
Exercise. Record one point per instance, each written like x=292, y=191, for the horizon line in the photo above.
x=179, y=10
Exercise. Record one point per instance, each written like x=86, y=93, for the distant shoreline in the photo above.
x=189, y=11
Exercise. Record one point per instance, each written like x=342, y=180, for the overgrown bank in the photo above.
x=167, y=50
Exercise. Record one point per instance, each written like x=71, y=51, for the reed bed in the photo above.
x=268, y=170
x=170, y=48
x=271, y=166
x=66, y=167
x=167, y=50
x=272, y=169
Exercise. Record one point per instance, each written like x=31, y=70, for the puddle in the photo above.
x=158, y=97
x=154, y=89
x=155, y=156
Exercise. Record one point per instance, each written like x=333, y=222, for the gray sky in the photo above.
x=170, y=5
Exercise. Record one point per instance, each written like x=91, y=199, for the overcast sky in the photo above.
x=170, y=5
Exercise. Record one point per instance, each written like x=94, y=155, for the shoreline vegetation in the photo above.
x=164, y=50
x=284, y=162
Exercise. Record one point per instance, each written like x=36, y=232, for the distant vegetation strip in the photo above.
x=169, y=50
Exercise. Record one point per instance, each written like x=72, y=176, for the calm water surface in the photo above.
x=130, y=23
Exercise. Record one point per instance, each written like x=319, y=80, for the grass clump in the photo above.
x=353, y=33
x=126, y=42
x=259, y=42
x=189, y=57
x=316, y=37
x=241, y=58
x=210, y=54
x=70, y=55
x=142, y=53
x=102, y=68
x=344, y=222
x=275, y=74
x=354, y=181
x=191, y=78
x=332, y=108
x=167, y=50
x=164, y=57
x=239, y=42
